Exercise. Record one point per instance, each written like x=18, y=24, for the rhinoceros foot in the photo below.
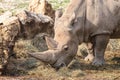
x=98, y=62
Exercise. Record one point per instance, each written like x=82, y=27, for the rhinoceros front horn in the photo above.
x=48, y=56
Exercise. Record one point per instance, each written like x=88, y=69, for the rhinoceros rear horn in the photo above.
x=51, y=43
x=46, y=56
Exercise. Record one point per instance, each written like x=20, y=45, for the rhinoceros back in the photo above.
x=102, y=17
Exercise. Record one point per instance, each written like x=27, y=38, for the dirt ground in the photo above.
x=24, y=67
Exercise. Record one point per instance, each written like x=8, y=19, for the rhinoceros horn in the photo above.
x=48, y=56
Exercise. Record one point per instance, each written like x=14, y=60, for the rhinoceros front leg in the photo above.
x=100, y=43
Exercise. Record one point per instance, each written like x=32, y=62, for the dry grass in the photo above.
x=29, y=68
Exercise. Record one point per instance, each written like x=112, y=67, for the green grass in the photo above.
x=16, y=5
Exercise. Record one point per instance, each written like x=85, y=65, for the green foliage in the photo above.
x=59, y=3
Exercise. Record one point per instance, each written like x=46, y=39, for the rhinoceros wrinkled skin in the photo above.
x=89, y=21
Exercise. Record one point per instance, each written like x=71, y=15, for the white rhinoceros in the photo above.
x=94, y=21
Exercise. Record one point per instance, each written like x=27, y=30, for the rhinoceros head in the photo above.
x=63, y=47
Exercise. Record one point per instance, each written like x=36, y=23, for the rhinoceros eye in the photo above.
x=65, y=47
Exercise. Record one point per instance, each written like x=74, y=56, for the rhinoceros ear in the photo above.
x=51, y=43
x=58, y=13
